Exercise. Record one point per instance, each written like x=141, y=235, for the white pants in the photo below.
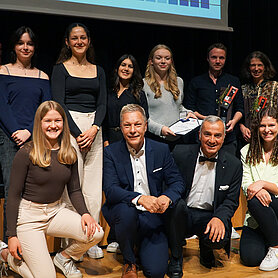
x=37, y=220
x=89, y=165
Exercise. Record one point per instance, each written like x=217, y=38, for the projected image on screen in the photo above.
x=208, y=14
x=195, y=8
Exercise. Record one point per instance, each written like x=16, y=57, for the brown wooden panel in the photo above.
x=53, y=243
x=238, y=218
x=104, y=225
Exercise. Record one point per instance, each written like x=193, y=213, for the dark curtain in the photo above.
x=254, y=22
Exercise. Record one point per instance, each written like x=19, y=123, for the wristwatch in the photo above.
x=96, y=127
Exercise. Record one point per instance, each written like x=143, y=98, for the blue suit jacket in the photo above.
x=118, y=181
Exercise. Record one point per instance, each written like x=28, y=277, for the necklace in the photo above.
x=81, y=67
x=76, y=63
x=25, y=69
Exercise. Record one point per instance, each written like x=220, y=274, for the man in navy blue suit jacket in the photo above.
x=140, y=181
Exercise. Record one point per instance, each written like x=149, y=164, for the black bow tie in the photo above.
x=203, y=159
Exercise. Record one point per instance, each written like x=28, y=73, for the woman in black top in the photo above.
x=80, y=87
x=126, y=88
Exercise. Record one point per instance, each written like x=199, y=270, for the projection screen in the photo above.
x=204, y=14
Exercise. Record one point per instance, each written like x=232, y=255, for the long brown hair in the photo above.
x=255, y=152
x=171, y=82
x=136, y=82
x=66, y=53
x=269, y=70
x=40, y=153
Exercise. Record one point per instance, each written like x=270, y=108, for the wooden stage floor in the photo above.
x=110, y=266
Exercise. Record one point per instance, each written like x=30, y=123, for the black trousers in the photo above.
x=255, y=242
x=184, y=222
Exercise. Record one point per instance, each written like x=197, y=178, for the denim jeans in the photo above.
x=8, y=150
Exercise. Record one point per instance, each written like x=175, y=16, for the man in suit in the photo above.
x=140, y=181
x=213, y=179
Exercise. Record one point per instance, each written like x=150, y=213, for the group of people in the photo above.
x=64, y=142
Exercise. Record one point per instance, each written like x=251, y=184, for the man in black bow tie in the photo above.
x=212, y=178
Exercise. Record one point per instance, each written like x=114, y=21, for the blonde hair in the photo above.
x=171, y=82
x=40, y=153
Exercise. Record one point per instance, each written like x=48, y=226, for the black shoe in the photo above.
x=207, y=258
x=175, y=268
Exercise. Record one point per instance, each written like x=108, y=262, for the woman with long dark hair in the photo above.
x=79, y=85
x=259, y=239
x=23, y=88
x=127, y=85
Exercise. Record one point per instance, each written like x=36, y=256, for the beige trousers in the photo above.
x=89, y=166
x=37, y=220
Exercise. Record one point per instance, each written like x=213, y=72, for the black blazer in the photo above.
x=227, y=179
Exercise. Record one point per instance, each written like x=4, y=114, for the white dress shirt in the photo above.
x=202, y=191
x=138, y=163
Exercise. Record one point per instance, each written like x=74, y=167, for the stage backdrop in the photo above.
x=254, y=23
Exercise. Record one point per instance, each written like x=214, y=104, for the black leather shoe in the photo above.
x=207, y=258
x=175, y=268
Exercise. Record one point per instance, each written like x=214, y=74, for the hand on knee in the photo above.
x=96, y=237
x=215, y=230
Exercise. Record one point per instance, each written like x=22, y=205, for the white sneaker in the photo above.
x=95, y=252
x=19, y=266
x=67, y=266
x=192, y=237
x=112, y=247
x=3, y=269
x=235, y=234
x=3, y=263
x=3, y=245
x=270, y=261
